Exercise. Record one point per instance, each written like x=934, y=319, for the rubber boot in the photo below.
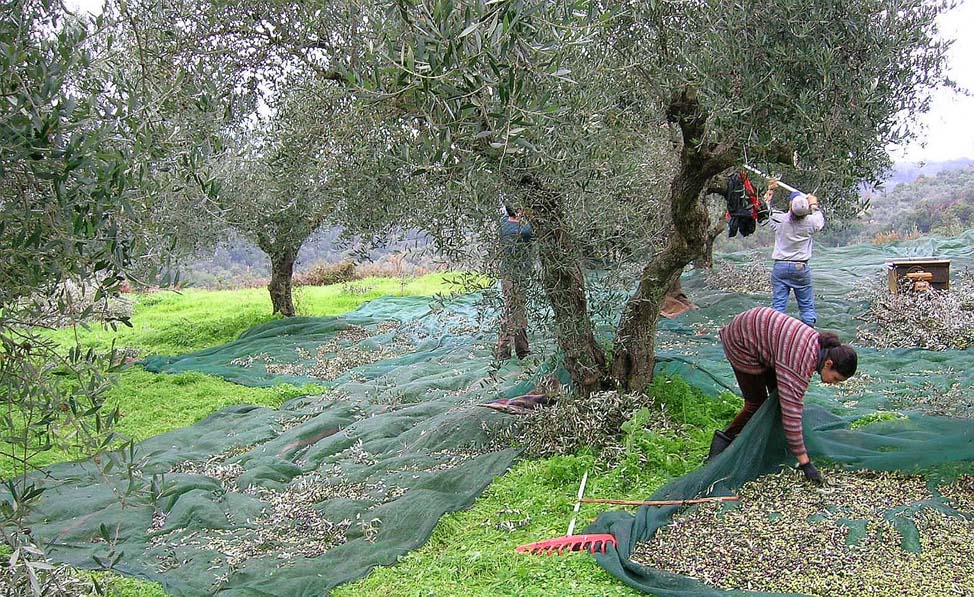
x=521, y=344
x=718, y=444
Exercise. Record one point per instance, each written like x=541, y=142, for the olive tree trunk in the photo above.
x=563, y=280
x=635, y=344
x=282, y=272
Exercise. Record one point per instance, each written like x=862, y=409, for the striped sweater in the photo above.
x=761, y=339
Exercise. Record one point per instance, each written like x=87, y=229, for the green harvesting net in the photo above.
x=253, y=501
x=891, y=417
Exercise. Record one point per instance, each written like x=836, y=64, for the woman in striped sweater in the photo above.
x=772, y=351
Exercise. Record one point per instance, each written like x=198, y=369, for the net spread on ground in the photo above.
x=297, y=500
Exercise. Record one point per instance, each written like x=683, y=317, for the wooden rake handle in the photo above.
x=703, y=500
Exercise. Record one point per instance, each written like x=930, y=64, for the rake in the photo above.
x=599, y=542
x=568, y=543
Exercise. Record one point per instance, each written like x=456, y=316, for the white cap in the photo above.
x=799, y=206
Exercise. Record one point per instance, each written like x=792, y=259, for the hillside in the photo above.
x=236, y=262
x=943, y=202
x=907, y=172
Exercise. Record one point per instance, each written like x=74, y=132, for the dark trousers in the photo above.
x=514, y=320
x=755, y=389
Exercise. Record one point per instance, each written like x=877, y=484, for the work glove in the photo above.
x=811, y=473
x=772, y=184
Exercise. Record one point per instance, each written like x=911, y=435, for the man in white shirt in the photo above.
x=793, y=230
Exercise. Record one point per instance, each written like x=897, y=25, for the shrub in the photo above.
x=884, y=238
x=324, y=274
x=394, y=265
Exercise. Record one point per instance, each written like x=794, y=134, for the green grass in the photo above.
x=152, y=403
x=470, y=552
x=170, y=323
x=115, y=585
x=469, y=555
x=874, y=417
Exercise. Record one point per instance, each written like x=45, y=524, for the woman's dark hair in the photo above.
x=510, y=211
x=844, y=357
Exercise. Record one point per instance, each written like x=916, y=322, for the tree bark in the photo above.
x=282, y=271
x=635, y=343
x=706, y=260
x=563, y=280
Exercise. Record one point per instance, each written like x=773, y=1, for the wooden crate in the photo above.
x=938, y=268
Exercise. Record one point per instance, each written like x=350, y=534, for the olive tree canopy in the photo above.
x=585, y=111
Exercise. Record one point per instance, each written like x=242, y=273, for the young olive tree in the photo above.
x=281, y=184
x=275, y=164
x=565, y=102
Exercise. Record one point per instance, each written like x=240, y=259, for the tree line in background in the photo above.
x=943, y=203
x=936, y=202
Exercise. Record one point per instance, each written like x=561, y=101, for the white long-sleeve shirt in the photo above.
x=793, y=236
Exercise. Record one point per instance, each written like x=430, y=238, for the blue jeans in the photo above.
x=787, y=276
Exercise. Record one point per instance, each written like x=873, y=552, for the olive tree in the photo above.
x=607, y=121
x=283, y=179
x=565, y=102
x=277, y=158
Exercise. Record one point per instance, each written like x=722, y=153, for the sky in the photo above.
x=948, y=126
x=950, y=122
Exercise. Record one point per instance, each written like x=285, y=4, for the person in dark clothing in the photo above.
x=515, y=266
x=770, y=351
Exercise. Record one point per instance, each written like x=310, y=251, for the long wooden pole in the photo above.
x=723, y=498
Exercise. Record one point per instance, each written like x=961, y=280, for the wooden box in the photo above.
x=938, y=268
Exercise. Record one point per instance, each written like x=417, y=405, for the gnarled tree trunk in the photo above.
x=564, y=284
x=635, y=344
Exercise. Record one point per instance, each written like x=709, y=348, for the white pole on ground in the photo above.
x=578, y=503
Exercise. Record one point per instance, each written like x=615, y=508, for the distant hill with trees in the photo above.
x=940, y=203
x=237, y=262
x=907, y=172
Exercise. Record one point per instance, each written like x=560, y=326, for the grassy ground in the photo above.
x=470, y=552
x=170, y=323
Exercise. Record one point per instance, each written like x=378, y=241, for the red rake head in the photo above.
x=589, y=543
